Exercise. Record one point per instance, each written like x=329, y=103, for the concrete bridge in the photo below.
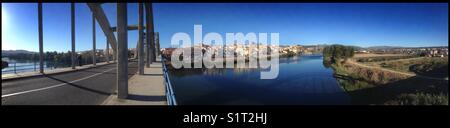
x=124, y=81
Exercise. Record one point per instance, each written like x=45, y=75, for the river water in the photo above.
x=28, y=66
x=302, y=80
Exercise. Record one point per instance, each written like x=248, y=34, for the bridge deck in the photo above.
x=89, y=86
x=147, y=89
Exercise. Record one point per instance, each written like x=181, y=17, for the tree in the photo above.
x=336, y=52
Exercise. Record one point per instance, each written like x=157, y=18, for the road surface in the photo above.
x=86, y=87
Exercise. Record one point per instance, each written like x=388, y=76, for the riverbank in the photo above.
x=377, y=85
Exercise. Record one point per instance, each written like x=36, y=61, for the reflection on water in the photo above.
x=301, y=80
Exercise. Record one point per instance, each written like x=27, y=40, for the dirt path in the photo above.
x=376, y=55
x=350, y=61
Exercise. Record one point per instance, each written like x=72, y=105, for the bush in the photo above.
x=421, y=99
x=338, y=52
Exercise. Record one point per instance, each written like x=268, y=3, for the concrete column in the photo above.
x=158, y=49
x=93, y=41
x=136, y=50
x=152, y=34
x=107, y=51
x=114, y=57
x=72, y=7
x=102, y=20
x=141, y=39
x=41, y=42
x=148, y=34
x=122, y=51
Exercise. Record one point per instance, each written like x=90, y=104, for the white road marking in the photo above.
x=54, y=86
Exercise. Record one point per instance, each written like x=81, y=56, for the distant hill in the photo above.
x=12, y=52
x=356, y=47
x=394, y=47
x=384, y=47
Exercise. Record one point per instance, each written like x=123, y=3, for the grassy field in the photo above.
x=381, y=58
x=426, y=66
x=366, y=55
x=382, y=80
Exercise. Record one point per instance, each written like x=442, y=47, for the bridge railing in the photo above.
x=20, y=68
x=170, y=95
x=15, y=68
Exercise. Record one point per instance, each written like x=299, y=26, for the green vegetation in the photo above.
x=362, y=77
x=352, y=84
x=420, y=99
x=55, y=59
x=382, y=58
x=24, y=56
x=48, y=56
x=335, y=56
x=288, y=54
x=368, y=85
x=4, y=64
x=336, y=53
x=434, y=67
x=426, y=66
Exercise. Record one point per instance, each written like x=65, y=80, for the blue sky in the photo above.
x=364, y=25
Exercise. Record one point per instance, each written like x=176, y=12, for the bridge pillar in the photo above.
x=104, y=25
x=72, y=11
x=149, y=34
x=114, y=56
x=107, y=51
x=93, y=41
x=141, y=39
x=41, y=43
x=152, y=34
x=135, y=52
x=158, y=49
x=122, y=51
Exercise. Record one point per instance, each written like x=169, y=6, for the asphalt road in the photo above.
x=86, y=87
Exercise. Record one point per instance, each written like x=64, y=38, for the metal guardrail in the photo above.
x=170, y=95
x=16, y=68
x=33, y=67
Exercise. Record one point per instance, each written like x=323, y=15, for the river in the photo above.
x=302, y=80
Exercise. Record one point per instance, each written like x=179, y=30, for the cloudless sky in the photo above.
x=363, y=25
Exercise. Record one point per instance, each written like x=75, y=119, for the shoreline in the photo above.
x=246, y=60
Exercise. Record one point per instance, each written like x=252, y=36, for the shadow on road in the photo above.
x=111, y=73
x=81, y=87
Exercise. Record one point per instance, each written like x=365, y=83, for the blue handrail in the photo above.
x=170, y=95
